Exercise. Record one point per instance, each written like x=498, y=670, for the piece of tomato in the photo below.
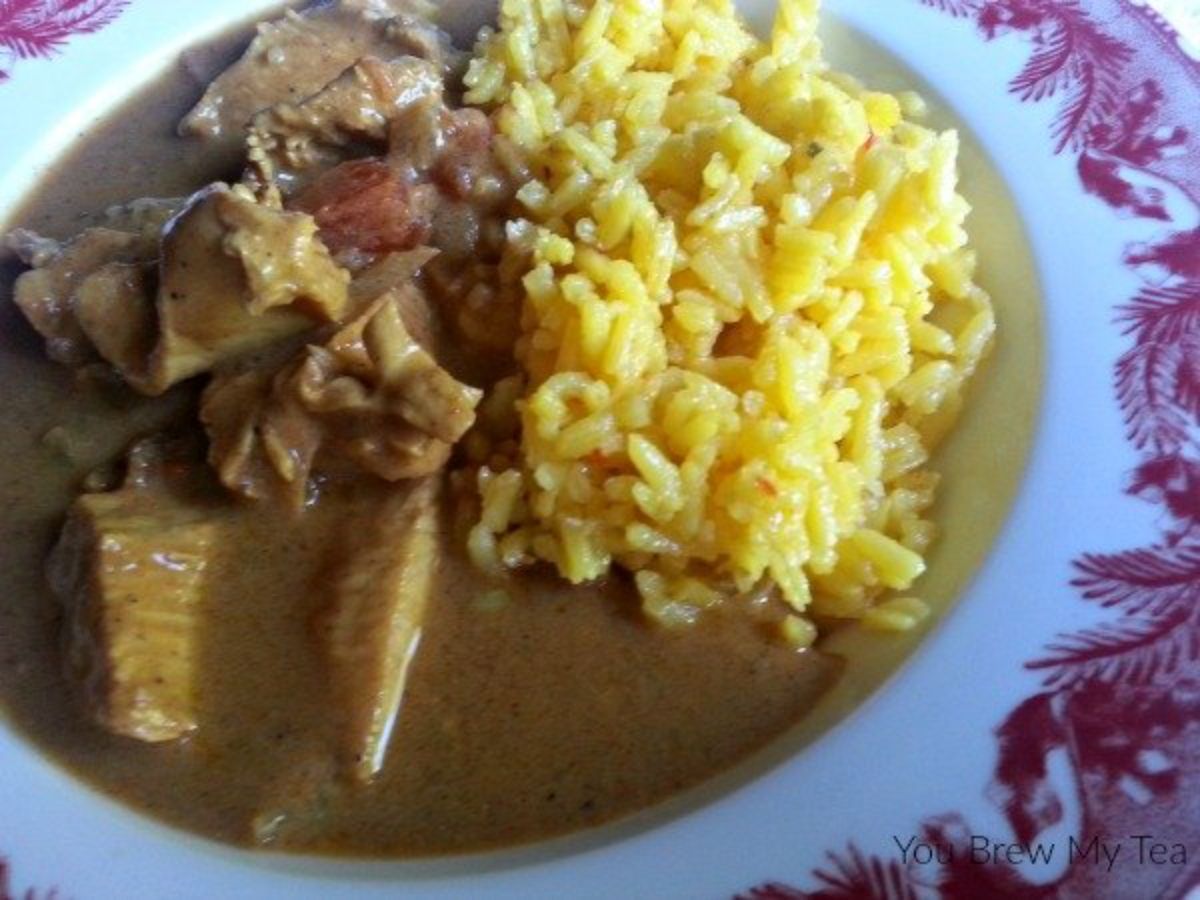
x=363, y=205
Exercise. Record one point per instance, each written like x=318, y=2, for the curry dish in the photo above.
x=424, y=437
x=226, y=648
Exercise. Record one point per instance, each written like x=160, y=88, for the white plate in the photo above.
x=1057, y=702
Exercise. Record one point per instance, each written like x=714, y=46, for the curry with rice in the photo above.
x=414, y=429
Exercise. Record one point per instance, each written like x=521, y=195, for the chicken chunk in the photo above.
x=236, y=277
x=408, y=380
x=284, y=261
x=370, y=633
x=370, y=398
x=130, y=571
x=290, y=142
x=115, y=309
x=232, y=278
x=397, y=411
x=46, y=293
x=301, y=52
x=262, y=440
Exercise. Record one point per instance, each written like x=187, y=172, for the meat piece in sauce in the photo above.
x=129, y=570
x=397, y=408
x=235, y=278
x=262, y=442
x=369, y=635
x=114, y=307
x=46, y=293
x=370, y=399
x=296, y=55
x=290, y=142
x=380, y=585
x=81, y=296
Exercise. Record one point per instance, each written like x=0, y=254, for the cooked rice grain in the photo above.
x=748, y=311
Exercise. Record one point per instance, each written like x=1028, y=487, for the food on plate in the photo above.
x=458, y=447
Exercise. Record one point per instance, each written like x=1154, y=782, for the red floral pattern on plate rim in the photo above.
x=40, y=28
x=1114, y=693
x=1119, y=702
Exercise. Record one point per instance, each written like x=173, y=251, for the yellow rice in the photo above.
x=748, y=311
